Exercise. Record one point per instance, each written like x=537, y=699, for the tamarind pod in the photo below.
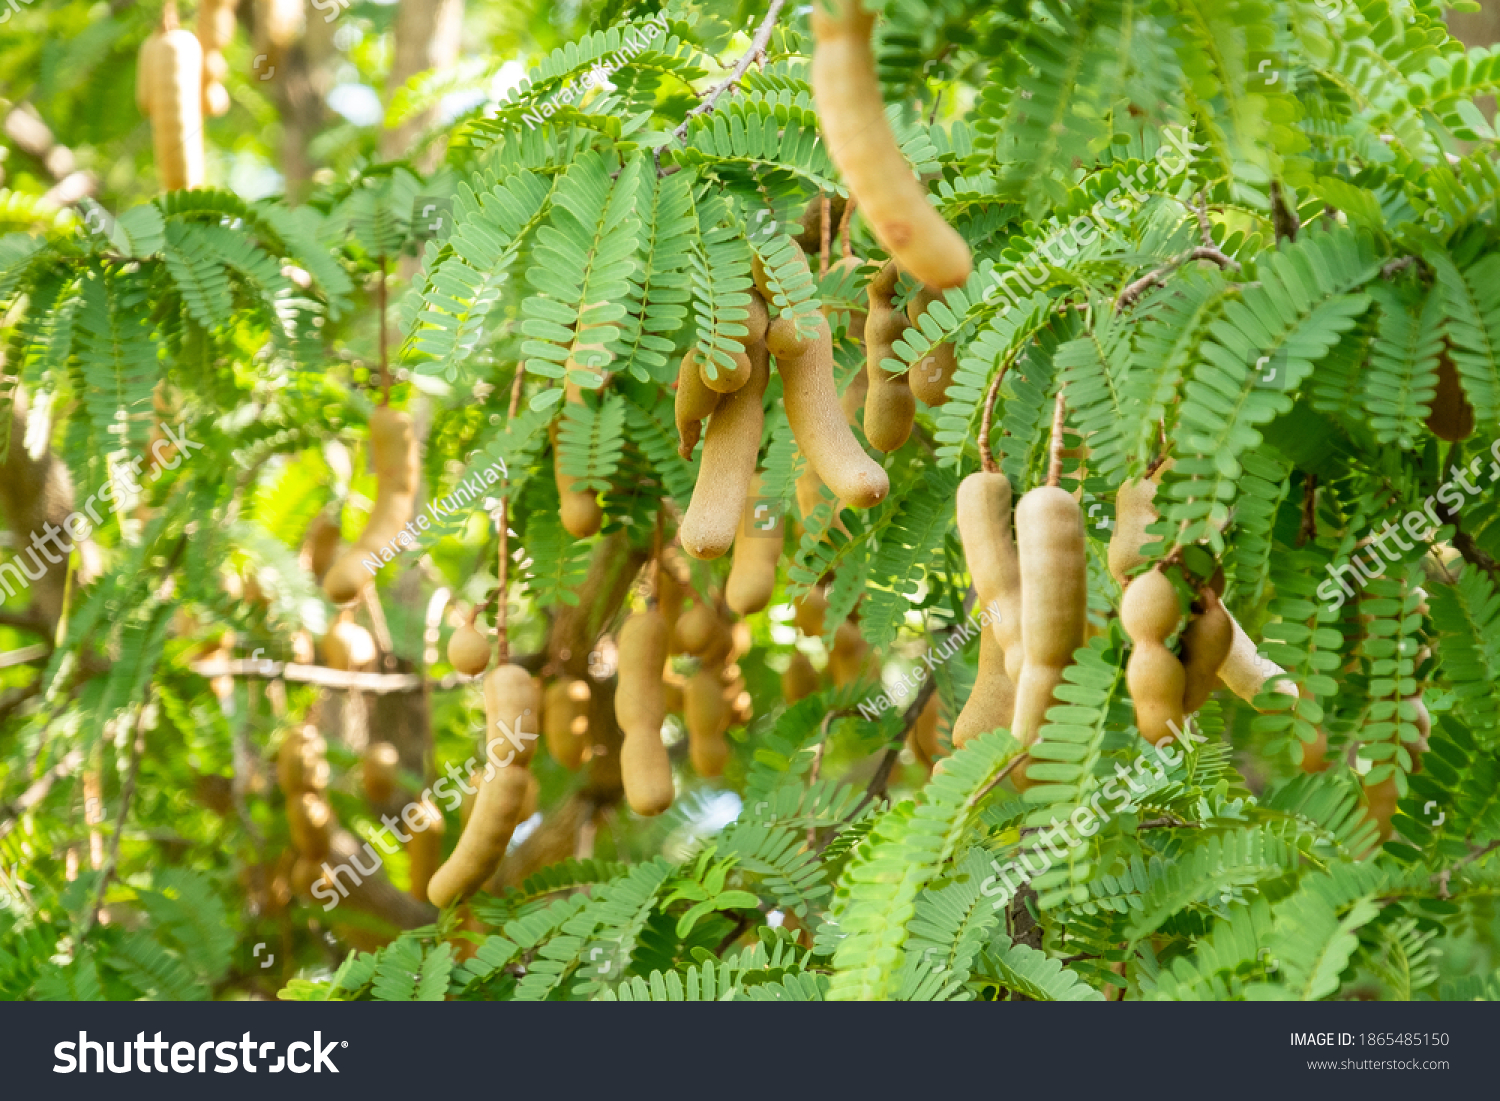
x=147, y=65
x=531, y=800
x=565, y=720
x=808, y=612
x=851, y=114
x=890, y=408
x=800, y=679
x=216, y=24
x=847, y=660
x=1054, y=599
x=640, y=708
x=579, y=509
x=513, y=714
x=852, y=404
x=730, y=446
x=983, y=508
x=694, y=402
x=670, y=594
x=348, y=646
x=1451, y=417
x=727, y=380
x=812, y=409
x=307, y=819
x=696, y=628
x=809, y=235
x=1155, y=677
x=672, y=696
x=924, y=733
x=992, y=701
x=1245, y=672
x=707, y=715
x=468, y=650
x=1315, y=753
x=1134, y=512
x=396, y=460
x=720, y=648
x=321, y=544
x=481, y=846
x=424, y=852
x=857, y=317
x=378, y=770
x=301, y=761
x=932, y=374
x=1380, y=805
x=1205, y=645
x=215, y=100
x=176, y=86
x=757, y=549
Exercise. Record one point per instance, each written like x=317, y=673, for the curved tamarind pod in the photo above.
x=694, y=402
x=800, y=679
x=216, y=25
x=424, y=852
x=175, y=84
x=697, y=628
x=378, y=771
x=809, y=612
x=1205, y=644
x=706, y=713
x=983, y=508
x=565, y=720
x=851, y=114
x=640, y=709
x=812, y=409
x=513, y=712
x=727, y=380
x=931, y=375
x=890, y=408
x=1452, y=417
x=1245, y=672
x=397, y=462
x=1054, y=599
x=1149, y=613
x=992, y=701
x=321, y=544
x=757, y=549
x=481, y=846
x=924, y=733
x=1134, y=512
x=730, y=446
x=468, y=650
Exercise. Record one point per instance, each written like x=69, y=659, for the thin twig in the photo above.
x=1205, y=228
x=502, y=586
x=127, y=796
x=1055, y=461
x=757, y=49
x=825, y=231
x=385, y=369
x=986, y=457
x=1133, y=291
x=844, y=220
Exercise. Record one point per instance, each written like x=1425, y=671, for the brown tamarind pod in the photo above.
x=565, y=720
x=640, y=709
x=670, y=597
x=216, y=23
x=890, y=409
x=1149, y=613
x=924, y=733
x=579, y=509
x=696, y=628
x=481, y=846
x=730, y=446
x=809, y=611
x=468, y=650
x=992, y=700
x=174, y=93
x=424, y=852
x=800, y=679
x=379, y=771
x=757, y=550
x=147, y=64
x=1134, y=512
x=706, y=713
x=308, y=817
x=1452, y=417
x=694, y=402
x=1051, y=552
x=930, y=375
x=301, y=761
x=1205, y=645
x=348, y=647
x=726, y=380
x=721, y=644
x=857, y=317
x=817, y=422
x=1380, y=805
x=513, y=714
x=848, y=660
x=983, y=508
x=851, y=114
x=852, y=405
x=321, y=543
x=1245, y=672
x=1315, y=753
x=396, y=459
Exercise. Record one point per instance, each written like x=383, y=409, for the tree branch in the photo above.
x=757, y=49
x=1133, y=291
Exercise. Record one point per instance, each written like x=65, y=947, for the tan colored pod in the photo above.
x=930, y=375
x=730, y=446
x=1134, y=512
x=856, y=317
x=694, y=402
x=696, y=628
x=301, y=761
x=579, y=509
x=565, y=720
x=348, y=647
x=216, y=101
x=216, y=23
x=800, y=679
x=1205, y=645
x=1451, y=417
x=397, y=462
x=380, y=771
x=482, y=844
x=640, y=709
x=176, y=97
x=848, y=661
x=1054, y=599
x=983, y=508
x=809, y=612
x=812, y=409
x=1245, y=672
x=924, y=733
x=321, y=543
x=147, y=64
x=424, y=852
x=1315, y=753
x=727, y=380
x=1380, y=805
x=707, y=714
x=468, y=650
x=670, y=597
x=1149, y=613
x=308, y=817
x=513, y=715
x=757, y=550
x=851, y=113
x=890, y=408
x=852, y=404
x=992, y=701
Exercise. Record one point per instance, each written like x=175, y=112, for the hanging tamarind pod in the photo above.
x=640, y=709
x=931, y=374
x=1149, y=612
x=890, y=409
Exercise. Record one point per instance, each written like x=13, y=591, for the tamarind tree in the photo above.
x=1230, y=306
